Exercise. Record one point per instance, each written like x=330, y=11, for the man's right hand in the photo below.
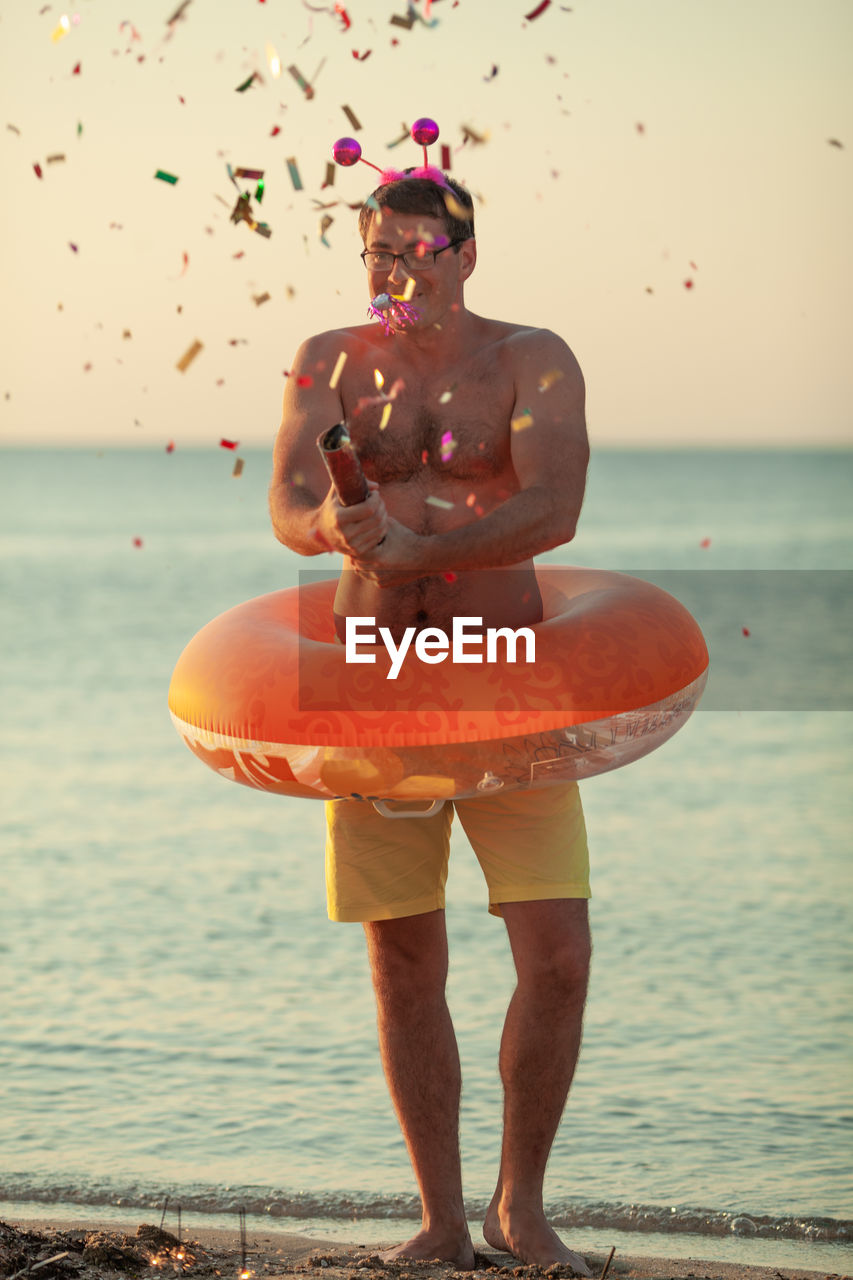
x=354, y=531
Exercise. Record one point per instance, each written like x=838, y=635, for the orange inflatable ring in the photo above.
x=266, y=697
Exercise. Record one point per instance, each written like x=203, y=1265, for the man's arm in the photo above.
x=306, y=514
x=550, y=454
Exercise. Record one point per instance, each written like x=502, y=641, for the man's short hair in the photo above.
x=452, y=204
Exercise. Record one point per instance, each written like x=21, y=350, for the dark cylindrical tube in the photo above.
x=343, y=465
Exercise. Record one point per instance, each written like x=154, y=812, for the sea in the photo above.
x=184, y=1031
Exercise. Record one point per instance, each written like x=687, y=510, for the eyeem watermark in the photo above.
x=433, y=645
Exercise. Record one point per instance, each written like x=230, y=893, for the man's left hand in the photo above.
x=395, y=560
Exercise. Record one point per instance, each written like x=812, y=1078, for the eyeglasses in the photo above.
x=420, y=259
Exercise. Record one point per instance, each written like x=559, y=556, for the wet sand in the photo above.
x=97, y=1249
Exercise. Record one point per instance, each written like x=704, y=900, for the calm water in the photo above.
x=180, y=1017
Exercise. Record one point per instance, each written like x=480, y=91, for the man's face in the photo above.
x=432, y=292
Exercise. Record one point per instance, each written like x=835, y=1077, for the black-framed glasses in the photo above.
x=420, y=259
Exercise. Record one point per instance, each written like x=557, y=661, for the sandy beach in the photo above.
x=53, y=1249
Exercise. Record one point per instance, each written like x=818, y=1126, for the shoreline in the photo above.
x=97, y=1243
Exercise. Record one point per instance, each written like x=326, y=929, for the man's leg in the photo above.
x=408, y=960
x=551, y=947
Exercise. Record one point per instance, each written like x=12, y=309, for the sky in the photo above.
x=667, y=184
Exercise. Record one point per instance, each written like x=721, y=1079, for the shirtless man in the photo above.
x=407, y=562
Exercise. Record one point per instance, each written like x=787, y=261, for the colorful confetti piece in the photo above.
x=238, y=467
x=352, y=117
x=549, y=378
x=241, y=88
x=189, y=355
x=301, y=81
x=522, y=421
x=228, y=444
x=386, y=414
x=293, y=170
x=166, y=177
x=540, y=8
x=439, y=502
x=338, y=370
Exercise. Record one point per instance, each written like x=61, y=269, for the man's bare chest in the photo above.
x=458, y=426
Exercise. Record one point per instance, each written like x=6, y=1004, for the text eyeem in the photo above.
x=433, y=645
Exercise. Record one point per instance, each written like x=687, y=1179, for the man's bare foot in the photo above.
x=427, y=1246
x=527, y=1236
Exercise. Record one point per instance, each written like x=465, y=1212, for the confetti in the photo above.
x=301, y=81
x=329, y=180
x=338, y=370
x=447, y=396
x=836, y=142
x=745, y=630
x=424, y=457
x=549, y=378
x=57, y=158
x=361, y=57
x=688, y=284
x=705, y=543
x=449, y=576
x=293, y=170
x=241, y=88
x=253, y=174
x=274, y=61
x=454, y=207
x=166, y=177
x=439, y=502
x=238, y=467
x=61, y=29
x=471, y=135
x=523, y=421
x=37, y=170
x=386, y=414
x=189, y=355
x=344, y=17
x=325, y=222
x=445, y=156
x=276, y=130
x=77, y=69
x=304, y=380
x=540, y=8
x=228, y=444
x=179, y=12
x=408, y=21
x=260, y=298
x=352, y=117
x=470, y=500
x=448, y=446
x=170, y=447
x=492, y=73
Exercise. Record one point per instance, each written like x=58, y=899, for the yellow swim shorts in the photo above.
x=530, y=845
